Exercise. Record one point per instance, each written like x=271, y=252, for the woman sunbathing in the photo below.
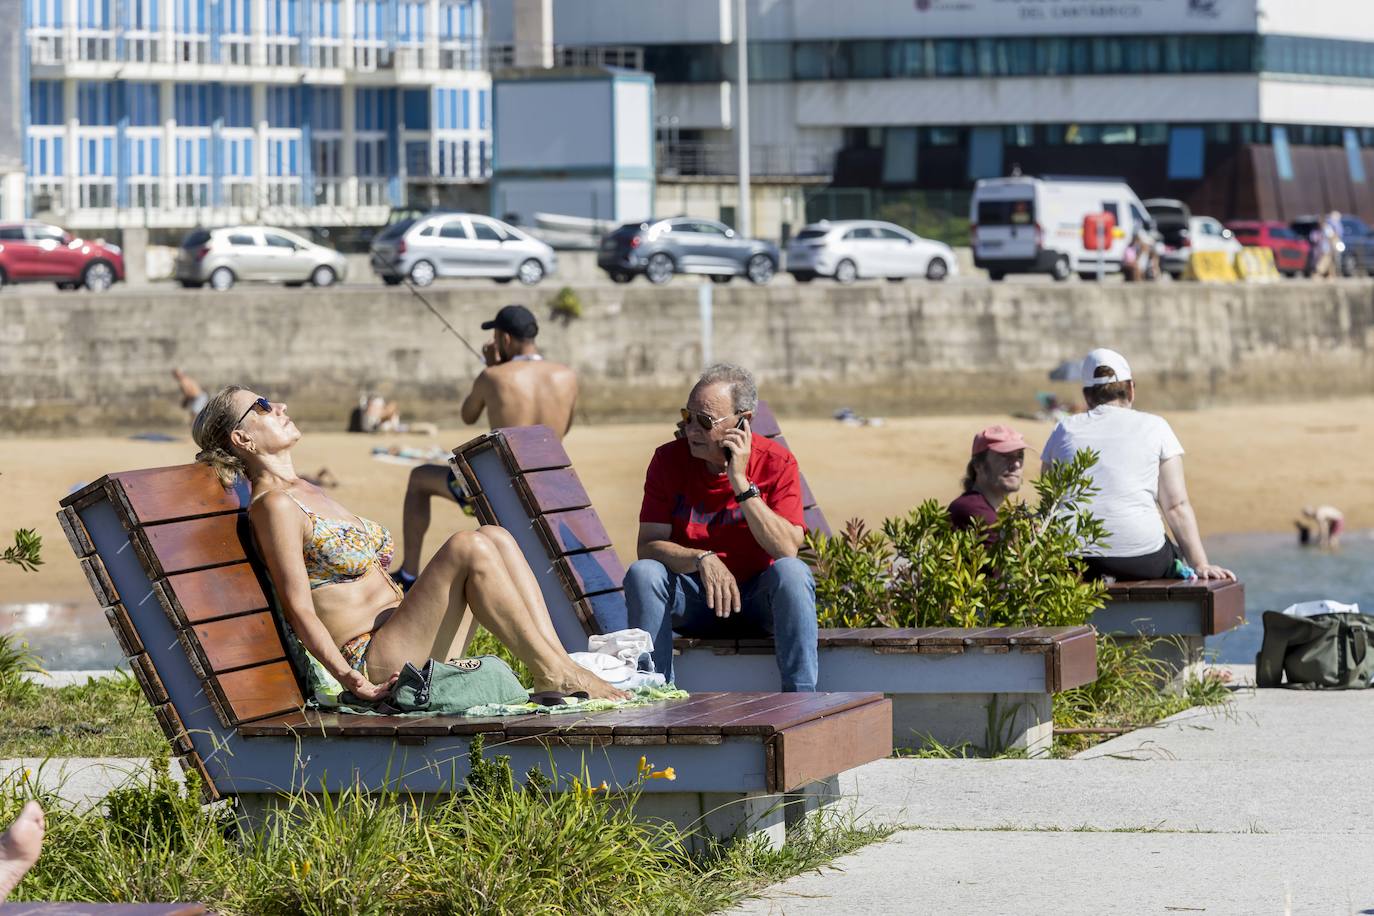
x=329, y=568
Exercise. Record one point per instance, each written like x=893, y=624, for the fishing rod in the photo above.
x=427, y=304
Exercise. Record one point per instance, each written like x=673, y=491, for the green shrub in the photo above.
x=26, y=552
x=918, y=571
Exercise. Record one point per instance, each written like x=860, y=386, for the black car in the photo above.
x=685, y=245
x=1356, y=235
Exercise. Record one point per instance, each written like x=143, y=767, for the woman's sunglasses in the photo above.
x=705, y=421
x=261, y=405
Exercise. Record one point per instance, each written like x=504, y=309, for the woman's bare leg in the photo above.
x=19, y=847
x=523, y=577
x=466, y=580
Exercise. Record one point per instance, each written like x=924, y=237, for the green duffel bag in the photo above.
x=1325, y=651
x=454, y=687
x=447, y=688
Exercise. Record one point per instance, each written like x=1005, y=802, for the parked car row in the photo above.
x=844, y=250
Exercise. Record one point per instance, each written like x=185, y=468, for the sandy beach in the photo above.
x=1248, y=468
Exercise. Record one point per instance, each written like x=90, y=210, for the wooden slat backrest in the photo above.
x=522, y=479
x=766, y=425
x=197, y=552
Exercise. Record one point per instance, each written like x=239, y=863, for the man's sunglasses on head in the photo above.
x=705, y=421
x=261, y=405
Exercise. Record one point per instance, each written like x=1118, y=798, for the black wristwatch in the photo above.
x=750, y=492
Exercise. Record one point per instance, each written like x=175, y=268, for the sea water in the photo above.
x=1276, y=571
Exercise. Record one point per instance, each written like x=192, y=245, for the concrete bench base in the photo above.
x=990, y=688
x=991, y=723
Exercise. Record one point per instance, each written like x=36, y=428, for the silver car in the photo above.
x=223, y=257
x=850, y=249
x=459, y=245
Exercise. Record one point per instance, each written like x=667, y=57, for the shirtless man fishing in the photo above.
x=518, y=388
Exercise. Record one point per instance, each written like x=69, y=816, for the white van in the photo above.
x=1035, y=225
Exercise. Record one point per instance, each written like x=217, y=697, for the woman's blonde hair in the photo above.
x=211, y=431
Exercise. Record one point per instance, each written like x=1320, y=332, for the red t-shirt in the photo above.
x=681, y=491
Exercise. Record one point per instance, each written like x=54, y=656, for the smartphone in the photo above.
x=740, y=425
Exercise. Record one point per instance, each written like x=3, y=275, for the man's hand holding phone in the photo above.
x=722, y=591
x=490, y=353
x=737, y=444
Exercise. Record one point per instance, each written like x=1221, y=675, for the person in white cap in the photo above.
x=1139, y=471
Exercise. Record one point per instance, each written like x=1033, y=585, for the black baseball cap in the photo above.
x=515, y=320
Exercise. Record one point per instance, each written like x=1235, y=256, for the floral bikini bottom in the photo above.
x=355, y=651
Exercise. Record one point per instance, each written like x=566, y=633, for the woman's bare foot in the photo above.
x=19, y=847
x=576, y=679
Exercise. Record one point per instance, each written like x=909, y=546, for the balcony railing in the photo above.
x=56, y=46
x=622, y=56
x=721, y=159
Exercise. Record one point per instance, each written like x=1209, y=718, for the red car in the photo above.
x=1291, y=250
x=32, y=251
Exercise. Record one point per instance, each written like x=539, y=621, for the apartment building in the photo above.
x=325, y=113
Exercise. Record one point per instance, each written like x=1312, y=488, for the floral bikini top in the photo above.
x=342, y=551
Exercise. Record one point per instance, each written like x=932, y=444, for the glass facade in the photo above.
x=926, y=58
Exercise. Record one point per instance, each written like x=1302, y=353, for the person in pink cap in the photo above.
x=993, y=474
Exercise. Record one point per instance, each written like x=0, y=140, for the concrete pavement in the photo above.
x=1262, y=808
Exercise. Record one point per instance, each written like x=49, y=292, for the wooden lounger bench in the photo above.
x=942, y=682
x=167, y=552
x=1185, y=612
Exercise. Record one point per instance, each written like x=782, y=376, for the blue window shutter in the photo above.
x=1187, y=153
x=1283, y=158
x=1352, y=155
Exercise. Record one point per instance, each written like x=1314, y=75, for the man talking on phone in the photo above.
x=719, y=531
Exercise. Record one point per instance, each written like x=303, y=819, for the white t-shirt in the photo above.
x=1131, y=444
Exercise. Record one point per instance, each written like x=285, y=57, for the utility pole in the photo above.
x=744, y=213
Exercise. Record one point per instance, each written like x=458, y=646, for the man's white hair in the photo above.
x=744, y=394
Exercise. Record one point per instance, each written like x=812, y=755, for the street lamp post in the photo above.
x=744, y=214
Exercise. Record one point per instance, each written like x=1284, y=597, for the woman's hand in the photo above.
x=363, y=689
x=1211, y=571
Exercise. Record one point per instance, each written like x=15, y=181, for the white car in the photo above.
x=850, y=249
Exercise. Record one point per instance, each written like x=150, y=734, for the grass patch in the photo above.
x=1129, y=692
x=497, y=848
x=105, y=717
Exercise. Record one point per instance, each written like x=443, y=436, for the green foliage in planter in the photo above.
x=566, y=305
x=26, y=553
x=918, y=571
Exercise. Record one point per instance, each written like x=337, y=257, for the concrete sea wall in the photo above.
x=73, y=362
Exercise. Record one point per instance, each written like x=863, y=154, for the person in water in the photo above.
x=329, y=568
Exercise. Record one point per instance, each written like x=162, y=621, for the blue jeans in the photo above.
x=778, y=602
